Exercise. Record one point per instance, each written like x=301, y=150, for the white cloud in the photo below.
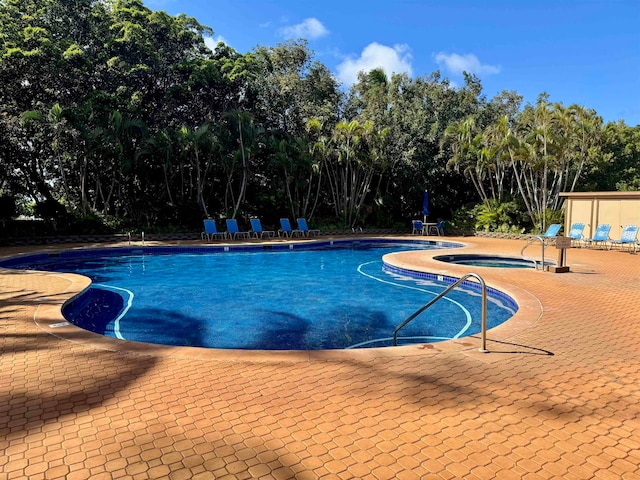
x=396, y=59
x=310, y=28
x=469, y=63
x=212, y=43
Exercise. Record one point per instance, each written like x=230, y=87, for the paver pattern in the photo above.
x=557, y=398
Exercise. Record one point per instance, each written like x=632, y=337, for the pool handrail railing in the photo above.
x=483, y=347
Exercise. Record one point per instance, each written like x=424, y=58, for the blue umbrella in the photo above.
x=425, y=205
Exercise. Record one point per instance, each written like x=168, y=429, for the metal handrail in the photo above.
x=483, y=348
x=531, y=242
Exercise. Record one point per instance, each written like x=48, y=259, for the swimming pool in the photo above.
x=322, y=295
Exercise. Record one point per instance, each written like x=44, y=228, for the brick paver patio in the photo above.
x=558, y=396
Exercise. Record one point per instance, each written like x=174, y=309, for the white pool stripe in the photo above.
x=464, y=310
x=125, y=309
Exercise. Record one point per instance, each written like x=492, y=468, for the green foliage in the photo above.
x=494, y=216
x=632, y=184
x=550, y=217
x=121, y=115
x=617, y=166
x=91, y=224
x=464, y=219
x=497, y=217
x=25, y=207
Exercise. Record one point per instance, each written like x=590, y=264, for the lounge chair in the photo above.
x=417, y=227
x=629, y=238
x=286, y=230
x=232, y=230
x=552, y=231
x=549, y=237
x=257, y=231
x=304, y=228
x=600, y=237
x=575, y=233
x=437, y=229
x=210, y=231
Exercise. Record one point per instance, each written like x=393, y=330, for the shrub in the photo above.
x=91, y=224
x=492, y=216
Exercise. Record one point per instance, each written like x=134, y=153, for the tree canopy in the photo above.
x=115, y=112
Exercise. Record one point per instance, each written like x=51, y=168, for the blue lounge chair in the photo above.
x=600, y=237
x=286, y=230
x=232, y=230
x=437, y=229
x=258, y=232
x=575, y=233
x=210, y=231
x=552, y=231
x=629, y=238
x=417, y=227
x=548, y=237
x=304, y=228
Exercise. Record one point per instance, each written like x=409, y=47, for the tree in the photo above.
x=200, y=146
x=355, y=155
x=618, y=166
x=241, y=147
x=297, y=165
x=293, y=88
x=55, y=129
x=111, y=108
x=469, y=153
x=556, y=143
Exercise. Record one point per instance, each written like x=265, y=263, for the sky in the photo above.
x=584, y=52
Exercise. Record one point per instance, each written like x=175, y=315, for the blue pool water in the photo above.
x=326, y=296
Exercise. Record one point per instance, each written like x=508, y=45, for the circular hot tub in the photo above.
x=486, y=260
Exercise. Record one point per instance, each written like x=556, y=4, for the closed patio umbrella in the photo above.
x=425, y=205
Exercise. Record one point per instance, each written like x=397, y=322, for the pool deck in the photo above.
x=557, y=396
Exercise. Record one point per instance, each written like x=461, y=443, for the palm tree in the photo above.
x=468, y=152
x=245, y=134
x=352, y=157
x=587, y=135
x=198, y=144
x=120, y=148
x=346, y=138
x=509, y=146
x=160, y=147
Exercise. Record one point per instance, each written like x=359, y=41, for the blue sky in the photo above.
x=579, y=51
